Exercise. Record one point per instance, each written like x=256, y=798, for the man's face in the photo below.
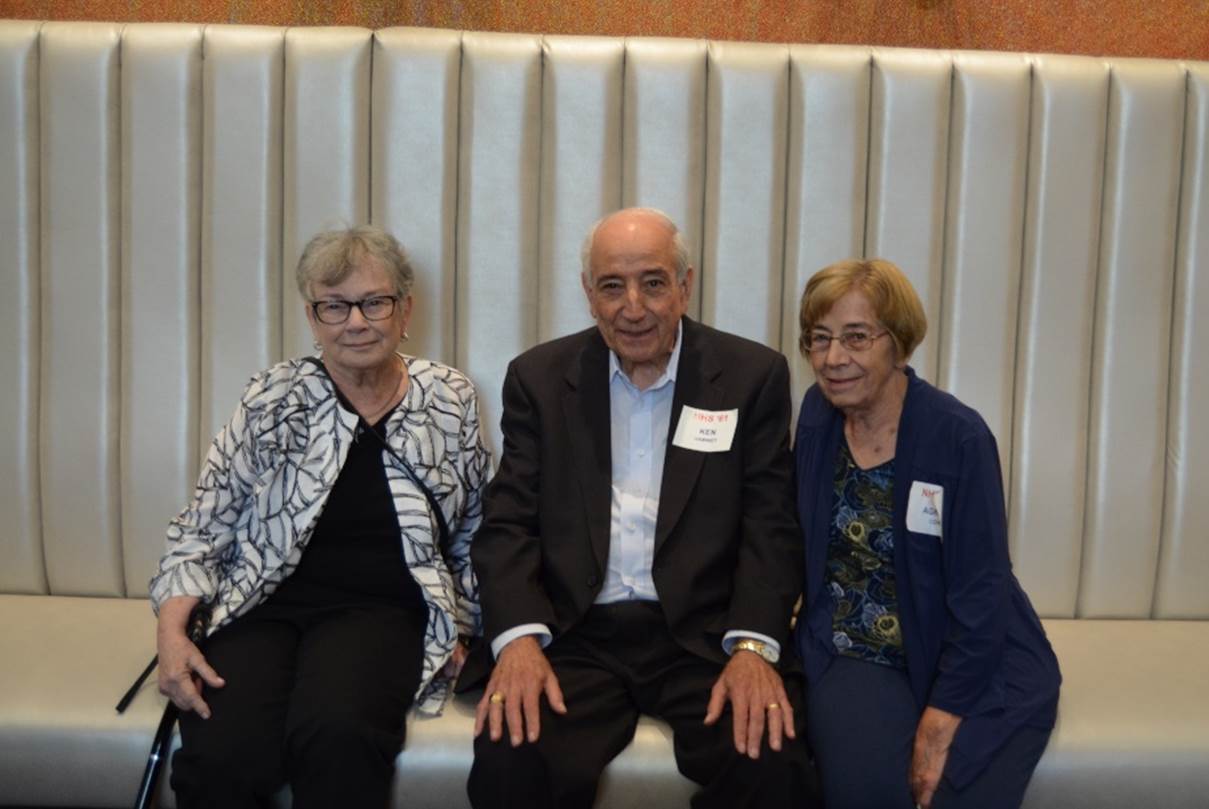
x=633, y=292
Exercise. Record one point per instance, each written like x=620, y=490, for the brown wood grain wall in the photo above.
x=1158, y=28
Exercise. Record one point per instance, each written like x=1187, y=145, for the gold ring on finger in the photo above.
x=773, y=706
x=497, y=698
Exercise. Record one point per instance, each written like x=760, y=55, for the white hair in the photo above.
x=678, y=248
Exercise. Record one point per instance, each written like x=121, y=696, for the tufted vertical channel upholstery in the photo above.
x=24, y=569
x=80, y=360
x=1056, y=312
x=160, y=223
x=1180, y=590
x=157, y=183
x=241, y=285
x=417, y=199
x=580, y=168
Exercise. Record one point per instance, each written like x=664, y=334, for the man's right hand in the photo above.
x=521, y=675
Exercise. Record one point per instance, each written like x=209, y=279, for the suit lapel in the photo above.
x=586, y=410
x=697, y=385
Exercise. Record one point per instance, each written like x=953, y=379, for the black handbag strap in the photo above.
x=444, y=540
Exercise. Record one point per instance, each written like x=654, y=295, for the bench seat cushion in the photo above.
x=1133, y=717
x=64, y=663
x=1133, y=724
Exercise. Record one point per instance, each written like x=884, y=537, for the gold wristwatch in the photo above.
x=759, y=647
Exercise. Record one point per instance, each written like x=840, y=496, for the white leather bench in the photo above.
x=158, y=181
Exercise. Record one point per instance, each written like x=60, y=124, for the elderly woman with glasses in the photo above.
x=931, y=681
x=329, y=535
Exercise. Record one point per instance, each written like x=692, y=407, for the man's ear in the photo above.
x=586, y=282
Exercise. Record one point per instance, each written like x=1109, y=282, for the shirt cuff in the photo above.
x=542, y=631
x=735, y=635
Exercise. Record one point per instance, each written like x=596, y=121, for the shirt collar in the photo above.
x=669, y=373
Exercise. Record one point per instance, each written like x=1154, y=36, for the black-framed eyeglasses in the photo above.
x=856, y=340
x=335, y=312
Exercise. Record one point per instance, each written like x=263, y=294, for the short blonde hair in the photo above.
x=883, y=284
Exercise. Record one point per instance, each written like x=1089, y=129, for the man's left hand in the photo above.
x=756, y=694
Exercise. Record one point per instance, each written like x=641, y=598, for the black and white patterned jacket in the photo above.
x=269, y=471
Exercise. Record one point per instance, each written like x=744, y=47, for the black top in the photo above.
x=355, y=555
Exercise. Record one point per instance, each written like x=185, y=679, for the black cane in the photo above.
x=199, y=619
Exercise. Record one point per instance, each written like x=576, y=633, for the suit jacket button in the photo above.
x=592, y=580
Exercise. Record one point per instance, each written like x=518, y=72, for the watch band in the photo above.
x=762, y=649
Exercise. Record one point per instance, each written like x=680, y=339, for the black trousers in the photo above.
x=314, y=696
x=620, y=662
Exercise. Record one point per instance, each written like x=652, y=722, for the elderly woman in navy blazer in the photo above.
x=931, y=681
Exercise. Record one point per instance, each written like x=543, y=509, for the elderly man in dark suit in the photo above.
x=639, y=551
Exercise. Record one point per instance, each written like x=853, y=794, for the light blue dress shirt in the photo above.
x=638, y=421
x=639, y=424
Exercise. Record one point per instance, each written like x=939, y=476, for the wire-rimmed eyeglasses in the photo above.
x=855, y=340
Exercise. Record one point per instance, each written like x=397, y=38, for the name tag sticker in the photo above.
x=706, y=430
x=925, y=508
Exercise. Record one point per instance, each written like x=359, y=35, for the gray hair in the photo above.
x=331, y=256
x=678, y=248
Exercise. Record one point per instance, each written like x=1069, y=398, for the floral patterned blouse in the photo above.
x=860, y=563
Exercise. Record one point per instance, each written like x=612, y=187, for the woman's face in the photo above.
x=854, y=380
x=360, y=344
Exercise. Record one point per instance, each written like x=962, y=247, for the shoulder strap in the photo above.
x=444, y=540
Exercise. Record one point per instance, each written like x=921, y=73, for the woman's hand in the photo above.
x=453, y=666
x=182, y=667
x=933, y=737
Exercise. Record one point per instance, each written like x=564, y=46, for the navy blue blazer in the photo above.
x=973, y=643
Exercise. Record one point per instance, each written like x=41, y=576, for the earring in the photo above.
x=318, y=346
x=406, y=336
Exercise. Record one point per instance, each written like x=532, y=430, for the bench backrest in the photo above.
x=158, y=181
